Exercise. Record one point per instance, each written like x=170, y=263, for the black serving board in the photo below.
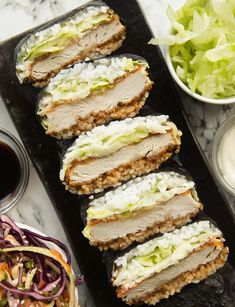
x=218, y=290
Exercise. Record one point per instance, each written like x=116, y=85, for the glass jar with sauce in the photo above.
x=14, y=170
x=223, y=154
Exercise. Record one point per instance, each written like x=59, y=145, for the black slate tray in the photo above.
x=216, y=291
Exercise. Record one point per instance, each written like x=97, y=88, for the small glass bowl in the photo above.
x=220, y=133
x=9, y=202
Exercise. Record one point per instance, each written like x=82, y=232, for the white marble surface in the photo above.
x=35, y=208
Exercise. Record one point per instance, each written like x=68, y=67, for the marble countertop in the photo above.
x=35, y=208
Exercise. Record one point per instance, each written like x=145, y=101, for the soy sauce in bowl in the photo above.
x=14, y=170
x=10, y=171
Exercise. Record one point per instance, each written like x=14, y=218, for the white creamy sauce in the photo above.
x=226, y=156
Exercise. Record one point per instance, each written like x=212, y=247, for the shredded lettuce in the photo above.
x=86, y=24
x=53, y=44
x=202, y=46
x=156, y=256
x=68, y=33
x=110, y=144
x=81, y=88
x=160, y=253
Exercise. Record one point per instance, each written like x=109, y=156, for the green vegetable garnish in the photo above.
x=110, y=144
x=202, y=46
x=54, y=291
x=83, y=88
x=156, y=256
x=86, y=24
x=3, y=302
x=29, y=265
x=67, y=34
x=159, y=254
x=53, y=44
x=3, y=275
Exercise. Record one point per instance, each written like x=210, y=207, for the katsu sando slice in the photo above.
x=163, y=266
x=93, y=93
x=90, y=31
x=142, y=207
x=108, y=155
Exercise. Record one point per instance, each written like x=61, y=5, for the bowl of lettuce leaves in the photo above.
x=200, y=49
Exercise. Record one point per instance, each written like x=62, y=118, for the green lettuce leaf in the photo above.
x=63, y=38
x=156, y=256
x=88, y=23
x=53, y=44
x=83, y=88
x=110, y=144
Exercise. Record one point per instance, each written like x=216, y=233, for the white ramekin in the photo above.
x=218, y=171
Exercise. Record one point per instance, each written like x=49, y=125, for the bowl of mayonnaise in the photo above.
x=223, y=154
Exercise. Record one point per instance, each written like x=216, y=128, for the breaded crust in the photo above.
x=122, y=173
x=166, y=226
x=101, y=49
x=175, y=285
x=121, y=111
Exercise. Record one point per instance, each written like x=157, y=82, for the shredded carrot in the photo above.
x=4, y=267
x=60, y=258
x=41, y=284
x=2, y=292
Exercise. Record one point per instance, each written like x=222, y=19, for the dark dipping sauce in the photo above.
x=9, y=171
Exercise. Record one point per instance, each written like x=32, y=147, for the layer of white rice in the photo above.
x=141, y=192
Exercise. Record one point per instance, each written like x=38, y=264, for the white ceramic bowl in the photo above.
x=217, y=141
x=186, y=89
